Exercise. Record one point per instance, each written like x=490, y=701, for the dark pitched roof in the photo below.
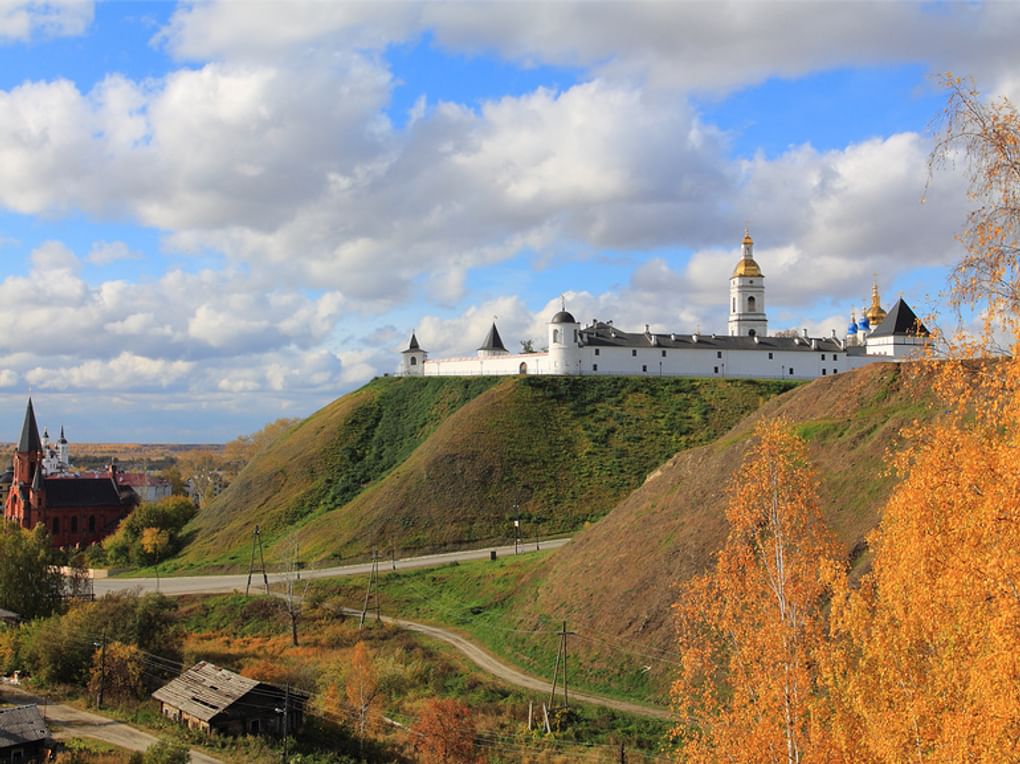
x=605, y=335
x=901, y=320
x=492, y=340
x=205, y=690
x=8, y=616
x=30, y=440
x=85, y=492
x=20, y=725
x=413, y=344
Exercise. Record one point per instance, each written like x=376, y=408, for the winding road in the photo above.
x=480, y=657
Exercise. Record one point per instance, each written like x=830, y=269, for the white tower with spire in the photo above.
x=747, y=295
x=412, y=360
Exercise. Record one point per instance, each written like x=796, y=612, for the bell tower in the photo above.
x=747, y=295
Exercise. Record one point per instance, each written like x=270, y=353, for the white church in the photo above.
x=745, y=351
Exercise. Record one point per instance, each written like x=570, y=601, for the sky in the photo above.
x=214, y=215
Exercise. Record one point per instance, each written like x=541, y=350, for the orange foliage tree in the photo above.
x=444, y=733
x=362, y=687
x=121, y=672
x=925, y=654
x=750, y=629
x=986, y=137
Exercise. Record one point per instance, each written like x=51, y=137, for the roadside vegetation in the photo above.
x=375, y=690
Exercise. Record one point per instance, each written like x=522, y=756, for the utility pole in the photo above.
x=102, y=672
x=623, y=754
x=286, y=721
x=517, y=526
x=373, y=585
x=256, y=542
x=561, y=655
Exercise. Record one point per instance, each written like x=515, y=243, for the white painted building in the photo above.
x=746, y=351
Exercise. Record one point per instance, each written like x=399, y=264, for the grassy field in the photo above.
x=421, y=465
x=251, y=635
x=478, y=598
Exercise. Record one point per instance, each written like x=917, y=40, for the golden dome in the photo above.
x=747, y=237
x=875, y=313
x=747, y=267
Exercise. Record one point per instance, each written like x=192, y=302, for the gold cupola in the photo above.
x=746, y=266
x=875, y=313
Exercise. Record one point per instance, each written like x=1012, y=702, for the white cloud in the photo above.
x=106, y=252
x=21, y=20
x=125, y=371
x=263, y=27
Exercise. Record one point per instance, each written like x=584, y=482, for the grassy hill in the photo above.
x=434, y=463
x=616, y=582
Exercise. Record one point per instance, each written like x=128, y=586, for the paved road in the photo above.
x=67, y=722
x=237, y=581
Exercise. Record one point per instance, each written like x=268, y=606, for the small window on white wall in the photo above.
x=414, y=361
x=556, y=335
x=750, y=304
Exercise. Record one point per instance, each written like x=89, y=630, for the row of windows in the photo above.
x=644, y=368
x=718, y=354
x=74, y=524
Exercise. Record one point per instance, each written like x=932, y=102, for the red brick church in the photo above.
x=77, y=511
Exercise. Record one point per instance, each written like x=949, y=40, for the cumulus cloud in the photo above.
x=21, y=20
x=106, y=252
x=691, y=46
x=125, y=371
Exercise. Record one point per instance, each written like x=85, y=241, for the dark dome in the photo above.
x=563, y=318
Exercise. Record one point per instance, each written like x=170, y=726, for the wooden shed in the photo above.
x=24, y=736
x=207, y=697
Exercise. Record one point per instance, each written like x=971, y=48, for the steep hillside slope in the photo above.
x=615, y=583
x=419, y=464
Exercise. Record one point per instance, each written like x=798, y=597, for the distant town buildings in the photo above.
x=745, y=351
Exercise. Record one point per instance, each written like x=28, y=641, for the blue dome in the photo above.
x=864, y=325
x=852, y=329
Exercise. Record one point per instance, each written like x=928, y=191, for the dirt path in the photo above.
x=487, y=662
x=67, y=722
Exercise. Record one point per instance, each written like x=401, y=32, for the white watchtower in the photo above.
x=564, y=343
x=747, y=295
x=412, y=360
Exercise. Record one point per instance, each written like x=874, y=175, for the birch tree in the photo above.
x=750, y=629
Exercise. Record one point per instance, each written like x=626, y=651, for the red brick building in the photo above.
x=77, y=511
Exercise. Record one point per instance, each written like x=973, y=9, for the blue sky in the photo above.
x=215, y=215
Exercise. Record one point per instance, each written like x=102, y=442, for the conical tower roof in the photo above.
x=493, y=340
x=413, y=345
x=901, y=321
x=30, y=440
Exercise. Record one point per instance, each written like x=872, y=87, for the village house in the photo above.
x=24, y=736
x=212, y=699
